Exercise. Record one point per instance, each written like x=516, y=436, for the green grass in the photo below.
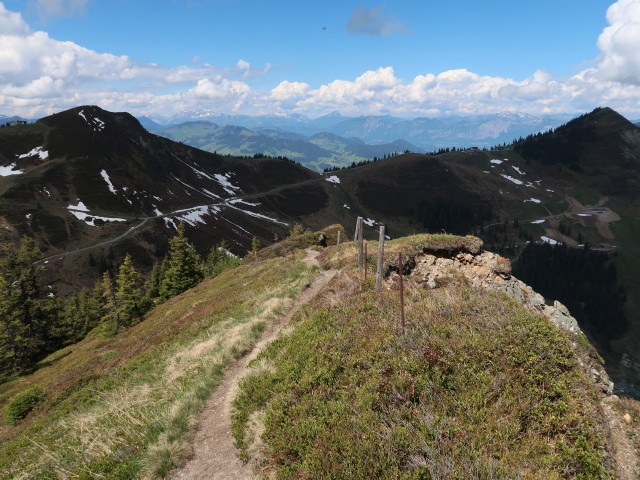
x=124, y=407
x=476, y=387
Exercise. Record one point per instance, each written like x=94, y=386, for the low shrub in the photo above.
x=21, y=404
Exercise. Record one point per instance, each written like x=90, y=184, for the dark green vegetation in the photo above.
x=21, y=404
x=475, y=387
x=35, y=322
x=317, y=152
x=584, y=280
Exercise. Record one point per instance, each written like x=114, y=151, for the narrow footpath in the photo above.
x=215, y=455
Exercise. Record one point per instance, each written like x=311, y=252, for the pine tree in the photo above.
x=26, y=318
x=255, y=246
x=128, y=295
x=184, y=269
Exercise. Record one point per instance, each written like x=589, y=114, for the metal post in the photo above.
x=380, y=259
x=400, y=268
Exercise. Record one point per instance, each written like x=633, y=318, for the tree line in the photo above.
x=35, y=322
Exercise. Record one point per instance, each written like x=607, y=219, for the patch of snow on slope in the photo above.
x=239, y=200
x=534, y=200
x=100, y=123
x=44, y=189
x=43, y=154
x=333, y=179
x=81, y=113
x=495, y=162
x=538, y=221
x=346, y=206
x=585, y=215
x=90, y=219
x=200, y=173
x=157, y=212
x=259, y=215
x=211, y=194
x=548, y=240
x=518, y=170
x=369, y=222
x=9, y=170
x=106, y=178
x=80, y=206
x=511, y=179
x=226, y=184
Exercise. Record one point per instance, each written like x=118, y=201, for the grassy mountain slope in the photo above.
x=345, y=395
x=86, y=177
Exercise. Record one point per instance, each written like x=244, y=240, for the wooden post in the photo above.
x=358, y=229
x=360, y=242
x=380, y=259
x=400, y=271
x=365, y=262
x=338, y=240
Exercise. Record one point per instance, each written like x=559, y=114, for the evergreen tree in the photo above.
x=297, y=229
x=27, y=316
x=183, y=268
x=128, y=295
x=255, y=245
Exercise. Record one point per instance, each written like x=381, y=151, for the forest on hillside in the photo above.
x=585, y=281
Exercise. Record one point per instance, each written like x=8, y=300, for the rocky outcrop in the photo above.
x=432, y=269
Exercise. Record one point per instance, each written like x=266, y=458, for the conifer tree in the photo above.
x=128, y=295
x=183, y=268
x=25, y=317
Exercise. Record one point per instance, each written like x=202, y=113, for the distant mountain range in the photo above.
x=425, y=133
x=319, y=151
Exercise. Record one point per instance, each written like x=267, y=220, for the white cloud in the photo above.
x=371, y=21
x=289, y=90
x=218, y=88
x=11, y=23
x=242, y=65
x=619, y=43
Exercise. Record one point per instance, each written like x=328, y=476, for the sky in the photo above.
x=407, y=58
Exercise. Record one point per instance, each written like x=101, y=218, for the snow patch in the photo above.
x=80, y=206
x=106, y=178
x=585, y=215
x=333, y=179
x=538, y=221
x=511, y=179
x=9, y=170
x=239, y=200
x=369, y=222
x=90, y=219
x=43, y=154
x=258, y=215
x=495, y=162
x=534, y=200
x=518, y=170
x=44, y=189
x=158, y=212
x=548, y=240
x=226, y=184
x=346, y=206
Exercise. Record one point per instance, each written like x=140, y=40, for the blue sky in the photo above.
x=406, y=58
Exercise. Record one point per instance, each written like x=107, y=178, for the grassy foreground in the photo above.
x=475, y=387
x=123, y=407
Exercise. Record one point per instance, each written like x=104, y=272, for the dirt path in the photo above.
x=214, y=453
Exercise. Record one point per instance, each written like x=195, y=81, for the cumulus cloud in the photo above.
x=371, y=21
x=289, y=90
x=218, y=88
x=619, y=41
